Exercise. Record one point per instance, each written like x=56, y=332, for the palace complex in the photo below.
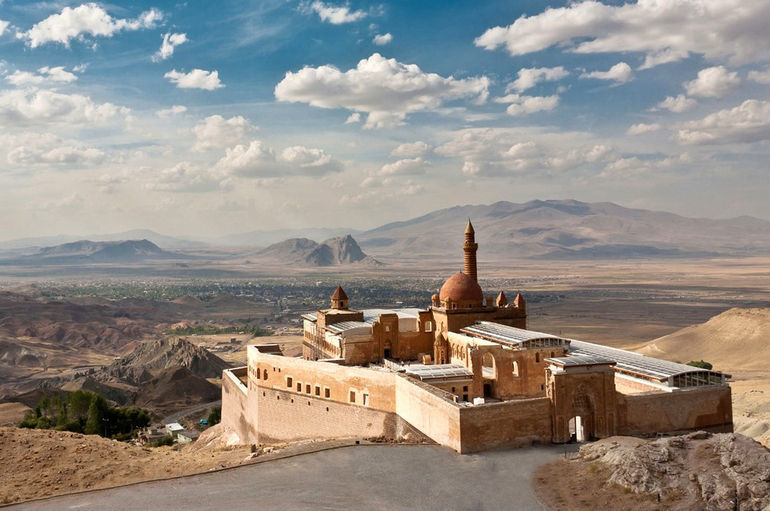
x=464, y=372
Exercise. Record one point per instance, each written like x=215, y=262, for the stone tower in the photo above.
x=339, y=299
x=469, y=247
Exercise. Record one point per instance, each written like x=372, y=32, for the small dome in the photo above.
x=463, y=290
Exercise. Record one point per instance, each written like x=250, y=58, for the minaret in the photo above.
x=469, y=247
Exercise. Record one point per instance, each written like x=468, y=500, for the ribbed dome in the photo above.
x=462, y=289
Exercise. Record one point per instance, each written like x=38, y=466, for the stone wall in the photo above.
x=236, y=413
x=659, y=412
x=286, y=416
x=430, y=410
x=506, y=424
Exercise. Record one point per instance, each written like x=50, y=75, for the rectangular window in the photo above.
x=352, y=396
x=465, y=388
x=429, y=326
x=289, y=382
x=307, y=388
x=299, y=386
x=327, y=393
x=366, y=399
x=318, y=390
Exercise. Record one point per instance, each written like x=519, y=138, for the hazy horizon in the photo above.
x=207, y=120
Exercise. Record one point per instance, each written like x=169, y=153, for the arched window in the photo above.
x=264, y=374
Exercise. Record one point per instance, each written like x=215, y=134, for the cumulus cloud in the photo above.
x=664, y=31
x=510, y=151
x=3, y=26
x=353, y=118
x=642, y=128
x=405, y=167
x=529, y=77
x=760, y=76
x=524, y=105
x=336, y=15
x=185, y=177
x=258, y=160
x=713, y=82
x=382, y=39
x=87, y=19
x=619, y=73
x=174, y=110
x=678, y=104
x=747, y=122
x=44, y=76
x=309, y=160
x=28, y=106
x=408, y=149
x=385, y=89
x=216, y=131
x=32, y=149
x=169, y=44
x=195, y=79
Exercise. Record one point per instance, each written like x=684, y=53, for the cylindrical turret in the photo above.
x=469, y=247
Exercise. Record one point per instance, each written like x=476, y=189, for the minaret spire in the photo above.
x=469, y=247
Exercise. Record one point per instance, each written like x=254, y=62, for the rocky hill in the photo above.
x=568, y=229
x=332, y=252
x=152, y=357
x=695, y=471
x=174, y=389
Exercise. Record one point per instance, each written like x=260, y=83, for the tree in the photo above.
x=215, y=416
x=702, y=364
x=96, y=412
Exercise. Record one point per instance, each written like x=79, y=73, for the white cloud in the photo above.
x=678, y=104
x=336, y=15
x=760, y=76
x=642, y=128
x=195, y=79
x=511, y=151
x=259, y=160
x=216, y=131
x=44, y=76
x=174, y=110
x=3, y=26
x=170, y=42
x=353, y=118
x=524, y=105
x=619, y=73
x=529, y=77
x=382, y=39
x=87, y=19
x=186, y=177
x=19, y=106
x=34, y=149
x=408, y=149
x=385, y=89
x=747, y=122
x=309, y=159
x=665, y=31
x=405, y=167
x=713, y=82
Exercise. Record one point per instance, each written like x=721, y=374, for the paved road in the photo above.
x=364, y=477
x=187, y=411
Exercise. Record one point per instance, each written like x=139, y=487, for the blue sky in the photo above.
x=205, y=118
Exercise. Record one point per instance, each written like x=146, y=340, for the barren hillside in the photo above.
x=736, y=340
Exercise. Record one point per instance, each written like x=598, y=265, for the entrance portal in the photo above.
x=577, y=430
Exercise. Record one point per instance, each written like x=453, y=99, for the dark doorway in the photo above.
x=487, y=390
x=387, y=353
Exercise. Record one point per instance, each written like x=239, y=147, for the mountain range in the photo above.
x=85, y=251
x=545, y=229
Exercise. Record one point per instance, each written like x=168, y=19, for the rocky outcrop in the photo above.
x=342, y=250
x=695, y=471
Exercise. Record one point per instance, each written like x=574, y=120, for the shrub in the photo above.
x=702, y=364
